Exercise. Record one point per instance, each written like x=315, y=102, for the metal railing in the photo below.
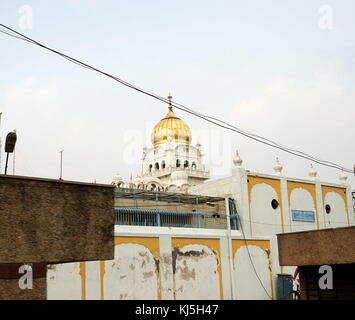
x=170, y=218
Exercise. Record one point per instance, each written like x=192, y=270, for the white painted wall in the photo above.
x=337, y=216
x=248, y=286
x=266, y=221
x=93, y=280
x=64, y=282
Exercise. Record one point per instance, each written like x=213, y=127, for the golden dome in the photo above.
x=171, y=126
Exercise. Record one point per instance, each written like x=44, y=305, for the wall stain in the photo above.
x=157, y=265
x=192, y=253
x=147, y=275
x=188, y=274
x=268, y=253
x=51, y=267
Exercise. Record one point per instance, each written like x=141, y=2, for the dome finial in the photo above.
x=278, y=167
x=312, y=173
x=343, y=177
x=170, y=98
x=171, y=125
x=237, y=160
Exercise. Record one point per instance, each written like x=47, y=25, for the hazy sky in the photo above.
x=281, y=69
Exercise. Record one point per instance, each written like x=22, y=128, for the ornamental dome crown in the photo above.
x=171, y=126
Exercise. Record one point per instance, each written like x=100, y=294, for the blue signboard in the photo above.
x=299, y=215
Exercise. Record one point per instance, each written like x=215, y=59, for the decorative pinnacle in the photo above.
x=278, y=167
x=312, y=173
x=237, y=160
x=170, y=98
x=343, y=177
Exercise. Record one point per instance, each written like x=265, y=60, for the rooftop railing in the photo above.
x=170, y=218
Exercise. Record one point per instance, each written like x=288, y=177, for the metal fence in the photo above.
x=170, y=218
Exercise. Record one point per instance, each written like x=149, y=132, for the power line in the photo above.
x=223, y=124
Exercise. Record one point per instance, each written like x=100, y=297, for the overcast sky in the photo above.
x=281, y=69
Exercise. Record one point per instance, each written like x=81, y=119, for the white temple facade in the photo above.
x=172, y=163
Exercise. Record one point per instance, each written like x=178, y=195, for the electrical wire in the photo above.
x=213, y=120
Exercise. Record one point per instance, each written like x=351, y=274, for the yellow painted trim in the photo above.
x=310, y=187
x=237, y=243
x=341, y=192
x=264, y=245
x=83, y=280
x=276, y=184
x=212, y=243
x=152, y=243
x=102, y=274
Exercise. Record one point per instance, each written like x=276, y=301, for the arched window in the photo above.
x=186, y=164
x=193, y=166
x=178, y=164
x=157, y=166
x=163, y=164
x=150, y=168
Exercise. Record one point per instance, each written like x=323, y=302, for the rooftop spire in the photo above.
x=170, y=98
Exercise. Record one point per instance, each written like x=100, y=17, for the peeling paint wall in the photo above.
x=164, y=263
x=195, y=273
x=133, y=274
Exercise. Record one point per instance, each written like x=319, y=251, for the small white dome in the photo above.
x=117, y=180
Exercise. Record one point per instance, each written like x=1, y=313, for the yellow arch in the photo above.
x=274, y=183
x=310, y=187
x=262, y=244
x=341, y=192
x=212, y=243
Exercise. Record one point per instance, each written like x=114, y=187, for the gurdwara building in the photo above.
x=172, y=163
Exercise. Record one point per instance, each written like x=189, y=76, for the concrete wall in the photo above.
x=44, y=220
x=317, y=247
x=48, y=221
x=169, y=263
